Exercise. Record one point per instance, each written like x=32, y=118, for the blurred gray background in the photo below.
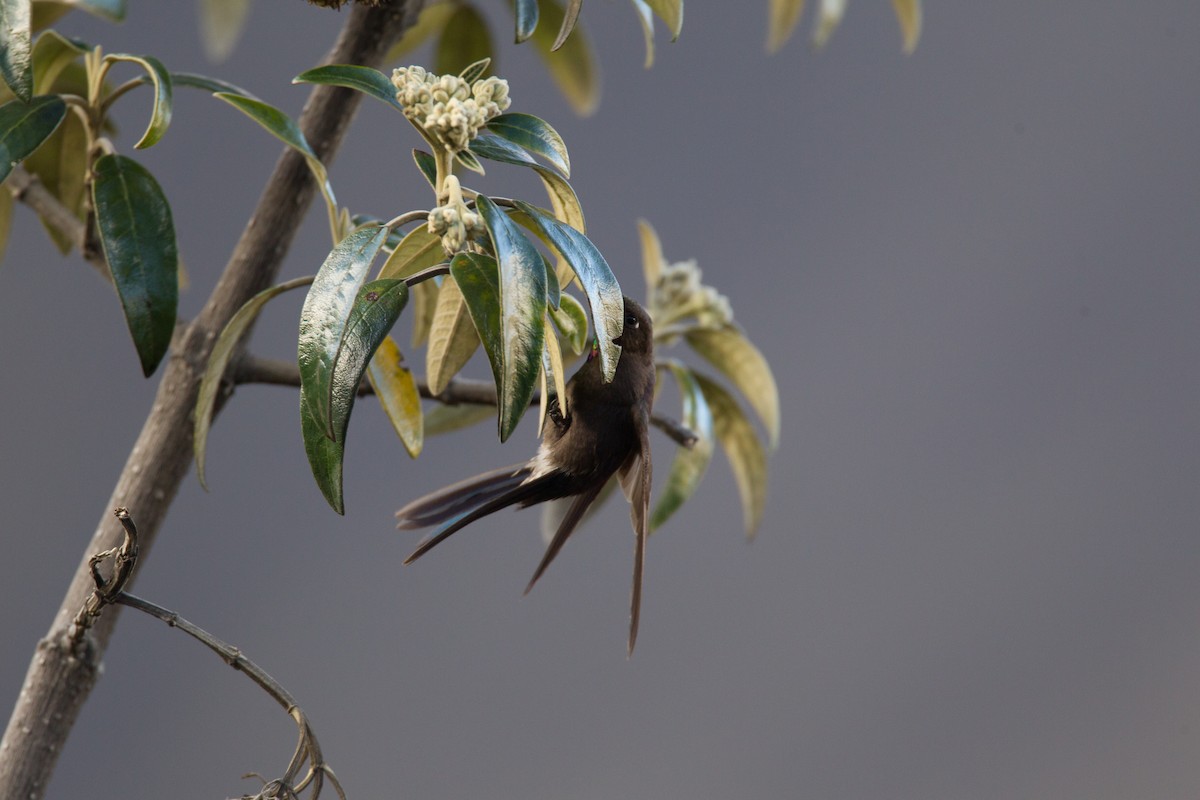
x=975, y=273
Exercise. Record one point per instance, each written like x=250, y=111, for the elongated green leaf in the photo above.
x=553, y=288
x=324, y=317
x=570, y=15
x=492, y=147
x=452, y=337
x=467, y=159
x=646, y=17
x=479, y=279
x=218, y=362
x=24, y=126
x=464, y=41
x=428, y=166
x=445, y=419
x=599, y=283
x=424, y=301
x=527, y=19
x=282, y=127
x=375, y=311
x=138, y=235
x=418, y=250
x=369, y=81
x=51, y=55
x=571, y=320
x=430, y=21
x=522, y=290
x=746, y=455
x=396, y=389
x=207, y=84
x=572, y=67
x=689, y=466
x=535, y=135
x=738, y=359
x=160, y=115
x=908, y=13
x=324, y=454
x=16, y=47
x=782, y=16
x=221, y=23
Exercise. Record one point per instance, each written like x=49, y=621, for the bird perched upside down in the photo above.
x=601, y=429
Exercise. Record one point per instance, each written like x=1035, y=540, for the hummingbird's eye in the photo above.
x=631, y=320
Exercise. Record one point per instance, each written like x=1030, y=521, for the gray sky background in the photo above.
x=975, y=273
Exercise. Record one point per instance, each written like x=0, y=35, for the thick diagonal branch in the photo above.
x=62, y=672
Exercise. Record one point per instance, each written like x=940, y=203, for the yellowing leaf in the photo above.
x=829, y=15
x=746, y=456
x=397, y=392
x=781, y=21
x=908, y=13
x=652, y=258
x=452, y=338
x=424, y=297
x=732, y=353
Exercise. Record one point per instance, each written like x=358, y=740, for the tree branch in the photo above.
x=63, y=671
x=252, y=369
x=27, y=189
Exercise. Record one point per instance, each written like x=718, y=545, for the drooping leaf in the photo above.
x=652, y=258
x=24, y=126
x=133, y=219
x=908, y=13
x=535, y=135
x=689, y=465
x=61, y=164
x=218, y=362
x=554, y=361
x=424, y=301
x=781, y=21
x=572, y=67
x=829, y=16
x=570, y=15
x=16, y=47
x=51, y=55
x=444, y=419
x=464, y=41
x=160, y=114
x=599, y=283
x=452, y=338
x=428, y=166
x=526, y=12
x=221, y=24
x=207, y=84
x=522, y=307
x=492, y=147
x=418, y=250
x=747, y=458
x=646, y=17
x=375, y=311
x=553, y=288
x=430, y=21
x=671, y=13
x=369, y=81
x=738, y=359
x=571, y=320
x=324, y=454
x=396, y=389
x=324, y=317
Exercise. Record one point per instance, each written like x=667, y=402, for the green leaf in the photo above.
x=747, y=458
x=689, y=466
x=419, y=250
x=467, y=159
x=286, y=130
x=51, y=55
x=572, y=67
x=430, y=21
x=375, y=311
x=535, y=135
x=492, y=147
x=452, y=338
x=61, y=164
x=324, y=454
x=732, y=353
x=571, y=320
x=526, y=12
x=326, y=312
x=221, y=24
x=16, y=47
x=160, y=115
x=599, y=283
x=478, y=277
x=782, y=16
x=24, y=126
x=908, y=14
x=646, y=17
x=671, y=13
x=207, y=84
x=424, y=300
x=111, y=10
x=444, y=419
x=218, y=362
x=522, y=296
x=428, y=166
x=396, y=389
x=568, y=24
x=369, y=81
x=133, y=219
x=553, y=288
x=464, y=42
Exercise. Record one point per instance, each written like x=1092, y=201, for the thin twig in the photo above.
x=276, y=372
x=28, y=189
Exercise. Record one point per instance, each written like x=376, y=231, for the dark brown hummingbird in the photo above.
x=600, y=429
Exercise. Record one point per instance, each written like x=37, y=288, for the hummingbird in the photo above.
x=598, y=430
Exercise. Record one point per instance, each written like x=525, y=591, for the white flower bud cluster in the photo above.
x=449, y=110
x=681, y=294
x=454, y=222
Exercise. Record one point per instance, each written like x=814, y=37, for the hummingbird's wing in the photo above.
x=635, y=475
x=458, y=497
